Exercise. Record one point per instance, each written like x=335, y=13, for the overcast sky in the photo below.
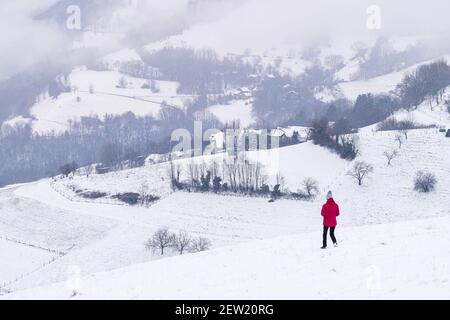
x=24, y=41
x=232, y=25
x=265, y=23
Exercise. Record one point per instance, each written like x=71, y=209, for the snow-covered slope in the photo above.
x=96, y=93
x=121, y=56
x=14, y=123
x=295, y=163
x=96, y=237
x=382, y=84
x=241, y=110
x=397, y=261
x=54, y=114
x=393, y=240
x=21, y=259
x=428, y=113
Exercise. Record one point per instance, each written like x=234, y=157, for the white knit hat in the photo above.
x=329, y=195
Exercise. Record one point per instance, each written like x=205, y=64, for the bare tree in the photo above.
x=122, y=83
x=399, y=140
x=391, y=155
x=232, y=170
x=311, y=187
x=161, y=240
x=193, y=171
x=175, y=171
x=281, y=181
x=404, y=132
x=202, y=168
x=244, y=174
x=199, y=245
x=144, y=192
x=214, y=168
x=89, y=170
x=260, y=178
x=181, y=242
x=360, y=171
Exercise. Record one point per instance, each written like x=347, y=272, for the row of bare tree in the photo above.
x=236, y=175
x=181, y=243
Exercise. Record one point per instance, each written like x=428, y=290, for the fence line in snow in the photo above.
x=58, y=252
x=62, y=190
x=59, y=255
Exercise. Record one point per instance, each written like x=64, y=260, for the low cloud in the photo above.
x=262, y=24
x=25, y=41
x=228, y=25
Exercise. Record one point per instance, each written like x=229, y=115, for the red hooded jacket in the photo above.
x=330, y=211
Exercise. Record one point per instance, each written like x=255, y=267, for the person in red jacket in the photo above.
x=330, y=211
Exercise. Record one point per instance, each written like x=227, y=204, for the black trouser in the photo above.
x=325, y=235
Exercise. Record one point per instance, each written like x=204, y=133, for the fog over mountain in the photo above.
x=25, y=41
x=304, y=23
x=222, y=25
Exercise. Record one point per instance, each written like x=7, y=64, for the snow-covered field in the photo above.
x=96, y=93
x=394, y=241
x=20, y=259
x=408, y=260
x=428, y=113
x=241, y=110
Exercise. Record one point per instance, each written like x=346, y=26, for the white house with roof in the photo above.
x=243, y=93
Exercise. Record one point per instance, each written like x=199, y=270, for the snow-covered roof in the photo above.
x=278, y=132
x=125, y=55
x=16, y=122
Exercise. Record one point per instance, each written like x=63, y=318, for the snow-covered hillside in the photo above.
x=387, y=230
x=97, y=93
x=378, y=85
x=241, y=110
x=395, y=261
x=428, y=113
